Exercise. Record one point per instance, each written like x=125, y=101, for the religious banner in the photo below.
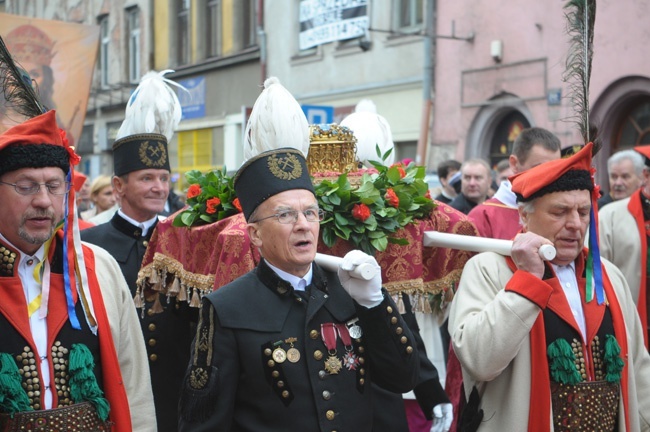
x=323, y=21
x=60, y=59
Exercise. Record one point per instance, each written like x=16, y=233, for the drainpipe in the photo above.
x=261, y=35
x=427, y=81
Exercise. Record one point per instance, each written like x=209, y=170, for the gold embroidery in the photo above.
x=153, y=155
x=286, y=168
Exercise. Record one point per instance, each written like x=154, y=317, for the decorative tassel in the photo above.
x=562, y=362
x=427, y=304
x=400, y=304
x=196, y=299
x=182, y=294
x=157, y=306
x=137, y=299
x=175, y=289
x=613, y=362
x=83, y=383
x=154, y=278
x=13, y=398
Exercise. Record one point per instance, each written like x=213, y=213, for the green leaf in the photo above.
x=188, y=218
x=340, y=219
x=398, y=241
x=380, y=243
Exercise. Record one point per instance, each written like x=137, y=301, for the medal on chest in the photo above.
x=293, y=355
x=350, y=360
x=354, y=329
x=329, y=335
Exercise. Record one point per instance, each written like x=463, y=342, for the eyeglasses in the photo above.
x=291, y=216
x=31, y=188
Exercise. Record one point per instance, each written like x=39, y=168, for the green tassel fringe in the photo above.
x=13, y=398
x=83, y=383
x=613, y=362
x=562, y=363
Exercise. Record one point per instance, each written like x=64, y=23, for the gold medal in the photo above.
x=333, y=365
x=293, y=355
x=279, y=355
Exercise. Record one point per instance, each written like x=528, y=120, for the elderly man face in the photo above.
x=288, y=246
x=562, y=218
x=623, y=180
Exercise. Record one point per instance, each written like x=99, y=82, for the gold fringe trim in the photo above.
x=167, y=276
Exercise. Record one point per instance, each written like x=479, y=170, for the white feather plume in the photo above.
x=276, y=121
x=153, y=107
x=370, y=129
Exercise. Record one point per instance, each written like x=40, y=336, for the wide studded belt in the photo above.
x=586, y=406
x=80, y=417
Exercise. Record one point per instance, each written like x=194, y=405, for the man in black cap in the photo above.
x=289, y=345
x=141, y=182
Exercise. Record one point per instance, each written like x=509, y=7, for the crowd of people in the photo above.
x=539, y=345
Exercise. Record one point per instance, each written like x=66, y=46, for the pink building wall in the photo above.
x=535, y=44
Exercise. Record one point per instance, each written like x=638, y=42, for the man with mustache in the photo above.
x=141, y=182
x=625, y=170
x=71, y=353
x=551, y=345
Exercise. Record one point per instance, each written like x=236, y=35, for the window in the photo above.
x=183, y=29
x=103, y=50
x=214, y=28
x=635, y=129
x=409, y=14
x=133, y=45
x=249, y=35
x=195, y=151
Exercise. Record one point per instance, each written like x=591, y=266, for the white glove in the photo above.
x=443, y=416
x=365, y=292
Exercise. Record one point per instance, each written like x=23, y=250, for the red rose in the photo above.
x=212, y=204
x=392, y=199
x=193, y=191
x=360, y=212
x=237, y=204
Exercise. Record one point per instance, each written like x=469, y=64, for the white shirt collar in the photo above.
x=144, y=226
x=506, y=195
x=298, y=284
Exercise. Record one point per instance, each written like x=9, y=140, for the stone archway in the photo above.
x=488, y=118
x=608, y=110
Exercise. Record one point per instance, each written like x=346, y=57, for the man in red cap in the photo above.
x=551, y=345
x=624, y=227
x=71, y=352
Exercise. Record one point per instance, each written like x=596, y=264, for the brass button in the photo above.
x=403, y=339
x=362, y=371
x=152, y=342
x=361, y=349
x=285, y=394
x=267, y=351
x=275, y=374
x=389, y=309
x=362, y=360
x=399, y=330
x=152, y=327
x=150, y=312
x=326, y=395
x=329, y=415
x=280, y=384
x=153, y=357
x=271, y=363
x=322, y=374
x=318, y=355
x=362, y=381
x=409, y=350
x=393, y=320
x=313, y=334
x=145, y=243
